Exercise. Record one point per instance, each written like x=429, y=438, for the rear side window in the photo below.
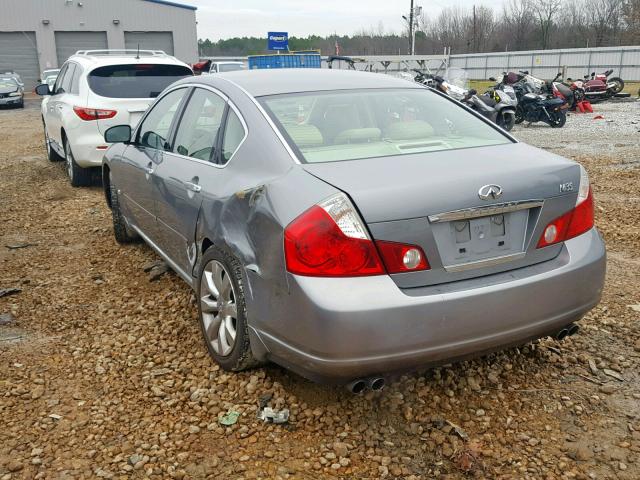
x=233, y=135
x=68, y=76
x=135, y=81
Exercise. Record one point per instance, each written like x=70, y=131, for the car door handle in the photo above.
x=194, y=187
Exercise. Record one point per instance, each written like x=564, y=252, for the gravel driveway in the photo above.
x=103, y=373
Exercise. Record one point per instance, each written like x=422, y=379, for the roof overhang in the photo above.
x=173, y=4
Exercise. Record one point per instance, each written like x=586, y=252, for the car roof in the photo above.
x=278, y=81
x=90, y=60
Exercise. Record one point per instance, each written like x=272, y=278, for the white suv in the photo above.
x=95, y=90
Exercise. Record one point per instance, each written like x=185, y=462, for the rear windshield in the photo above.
x=230, y=67
x=135, y=81
x=355, y=124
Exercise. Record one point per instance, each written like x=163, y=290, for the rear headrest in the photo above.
x=409, y=130
x=358, y=135
x=305, y=135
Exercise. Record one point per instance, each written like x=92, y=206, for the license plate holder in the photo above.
x=476, y=241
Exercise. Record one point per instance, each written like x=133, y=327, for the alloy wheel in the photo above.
x=219, y=310
x=68, y=156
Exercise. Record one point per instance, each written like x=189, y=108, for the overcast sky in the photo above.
x=237, y=18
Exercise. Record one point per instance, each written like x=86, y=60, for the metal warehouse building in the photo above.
x=40, y=34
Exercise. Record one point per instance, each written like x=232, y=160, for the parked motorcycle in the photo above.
x=497, y=105
x=600, y=86
x=505, y=101
x=533, y=107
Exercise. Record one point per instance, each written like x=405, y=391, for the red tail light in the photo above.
x=330, y=240
x=314, y=245
x=401, y=258
x=94, y=113
x=570, y=225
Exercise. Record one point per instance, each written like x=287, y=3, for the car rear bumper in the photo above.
x=86, y=148
x=336, y=330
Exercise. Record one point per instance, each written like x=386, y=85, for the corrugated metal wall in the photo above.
x=49, y=19
x=149, y=41
x=19, y=53
x=546, y=63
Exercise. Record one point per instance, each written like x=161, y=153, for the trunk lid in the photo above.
x=130, y=111
x=417, y=199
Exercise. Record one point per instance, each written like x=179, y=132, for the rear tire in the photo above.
x=519, y=115
x=619, y=84
x=222, y=310
x=78, y=176
x=558, y=119
x=52, y=155
x=121, y=230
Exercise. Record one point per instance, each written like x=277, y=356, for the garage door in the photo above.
x=19, y=53
x=149, y=41
x=68, y=43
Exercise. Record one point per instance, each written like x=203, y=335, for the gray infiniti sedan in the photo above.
x=350, y=225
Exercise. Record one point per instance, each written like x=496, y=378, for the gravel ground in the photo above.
x=103, y=373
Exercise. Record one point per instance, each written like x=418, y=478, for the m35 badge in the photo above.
x=566, y=187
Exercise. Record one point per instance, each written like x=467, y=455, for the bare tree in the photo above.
x=631, y=18
x=604, y=20
x=517, y=24
x=546, y=11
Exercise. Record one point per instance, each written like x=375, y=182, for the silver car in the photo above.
x=350, y=225
x=11, y=93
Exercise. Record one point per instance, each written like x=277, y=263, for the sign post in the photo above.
x=278, y=41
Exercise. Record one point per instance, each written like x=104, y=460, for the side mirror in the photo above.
x=472, y=92
x=43, y=89
x=493, y=79
x=118, y=134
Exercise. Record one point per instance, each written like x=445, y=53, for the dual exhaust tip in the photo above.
x=375, y=384
x=569, y=330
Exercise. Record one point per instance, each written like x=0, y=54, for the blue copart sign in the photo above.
x=278, y=41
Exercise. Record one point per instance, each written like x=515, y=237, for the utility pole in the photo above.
x=475, y=45
x=412, y=44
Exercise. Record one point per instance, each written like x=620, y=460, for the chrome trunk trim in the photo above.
x=484, y=211
x=489, y=262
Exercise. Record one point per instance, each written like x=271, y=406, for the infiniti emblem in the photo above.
x=490, y=192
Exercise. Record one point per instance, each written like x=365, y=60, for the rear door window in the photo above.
x=136, y=80
x=155, y=128
x=58, y=86
x=197, y=134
